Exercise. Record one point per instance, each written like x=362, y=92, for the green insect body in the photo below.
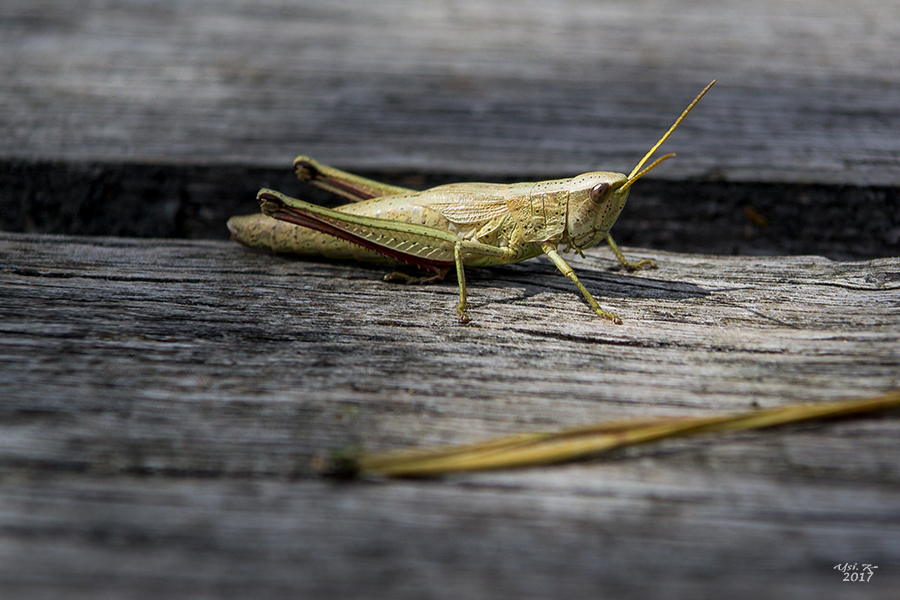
x=457, y=225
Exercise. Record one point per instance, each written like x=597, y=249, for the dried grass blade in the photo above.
x=532, y=449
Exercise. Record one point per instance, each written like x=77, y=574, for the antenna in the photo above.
x=632, y=177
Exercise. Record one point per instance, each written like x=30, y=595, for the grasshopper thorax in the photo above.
x=595, y=201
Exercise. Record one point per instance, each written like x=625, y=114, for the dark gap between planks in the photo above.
x=841, y=222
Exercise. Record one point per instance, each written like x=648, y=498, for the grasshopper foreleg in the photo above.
x=550, y=250
x=630, y=266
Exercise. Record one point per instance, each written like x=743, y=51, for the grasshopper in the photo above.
x=460, y=224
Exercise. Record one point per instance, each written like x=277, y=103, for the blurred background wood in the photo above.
x=161, y=119
x=808, y=91
x=161, y=400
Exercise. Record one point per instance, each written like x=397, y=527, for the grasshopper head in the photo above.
x=595, y=201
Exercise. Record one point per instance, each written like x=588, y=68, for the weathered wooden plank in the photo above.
x=808, y=91
x=162, y=400
x=212, y=321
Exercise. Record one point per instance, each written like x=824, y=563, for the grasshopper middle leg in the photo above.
x=439, y=276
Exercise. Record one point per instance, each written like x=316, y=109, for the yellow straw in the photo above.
x=531, y=449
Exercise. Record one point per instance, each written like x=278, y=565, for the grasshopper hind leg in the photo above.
x=350, y=186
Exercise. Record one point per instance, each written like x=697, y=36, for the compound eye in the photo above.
x=599, y=192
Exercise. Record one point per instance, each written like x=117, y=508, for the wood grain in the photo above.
x=162, y=401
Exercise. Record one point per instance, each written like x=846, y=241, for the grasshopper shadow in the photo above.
x=540, y=275
x=529, y=278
